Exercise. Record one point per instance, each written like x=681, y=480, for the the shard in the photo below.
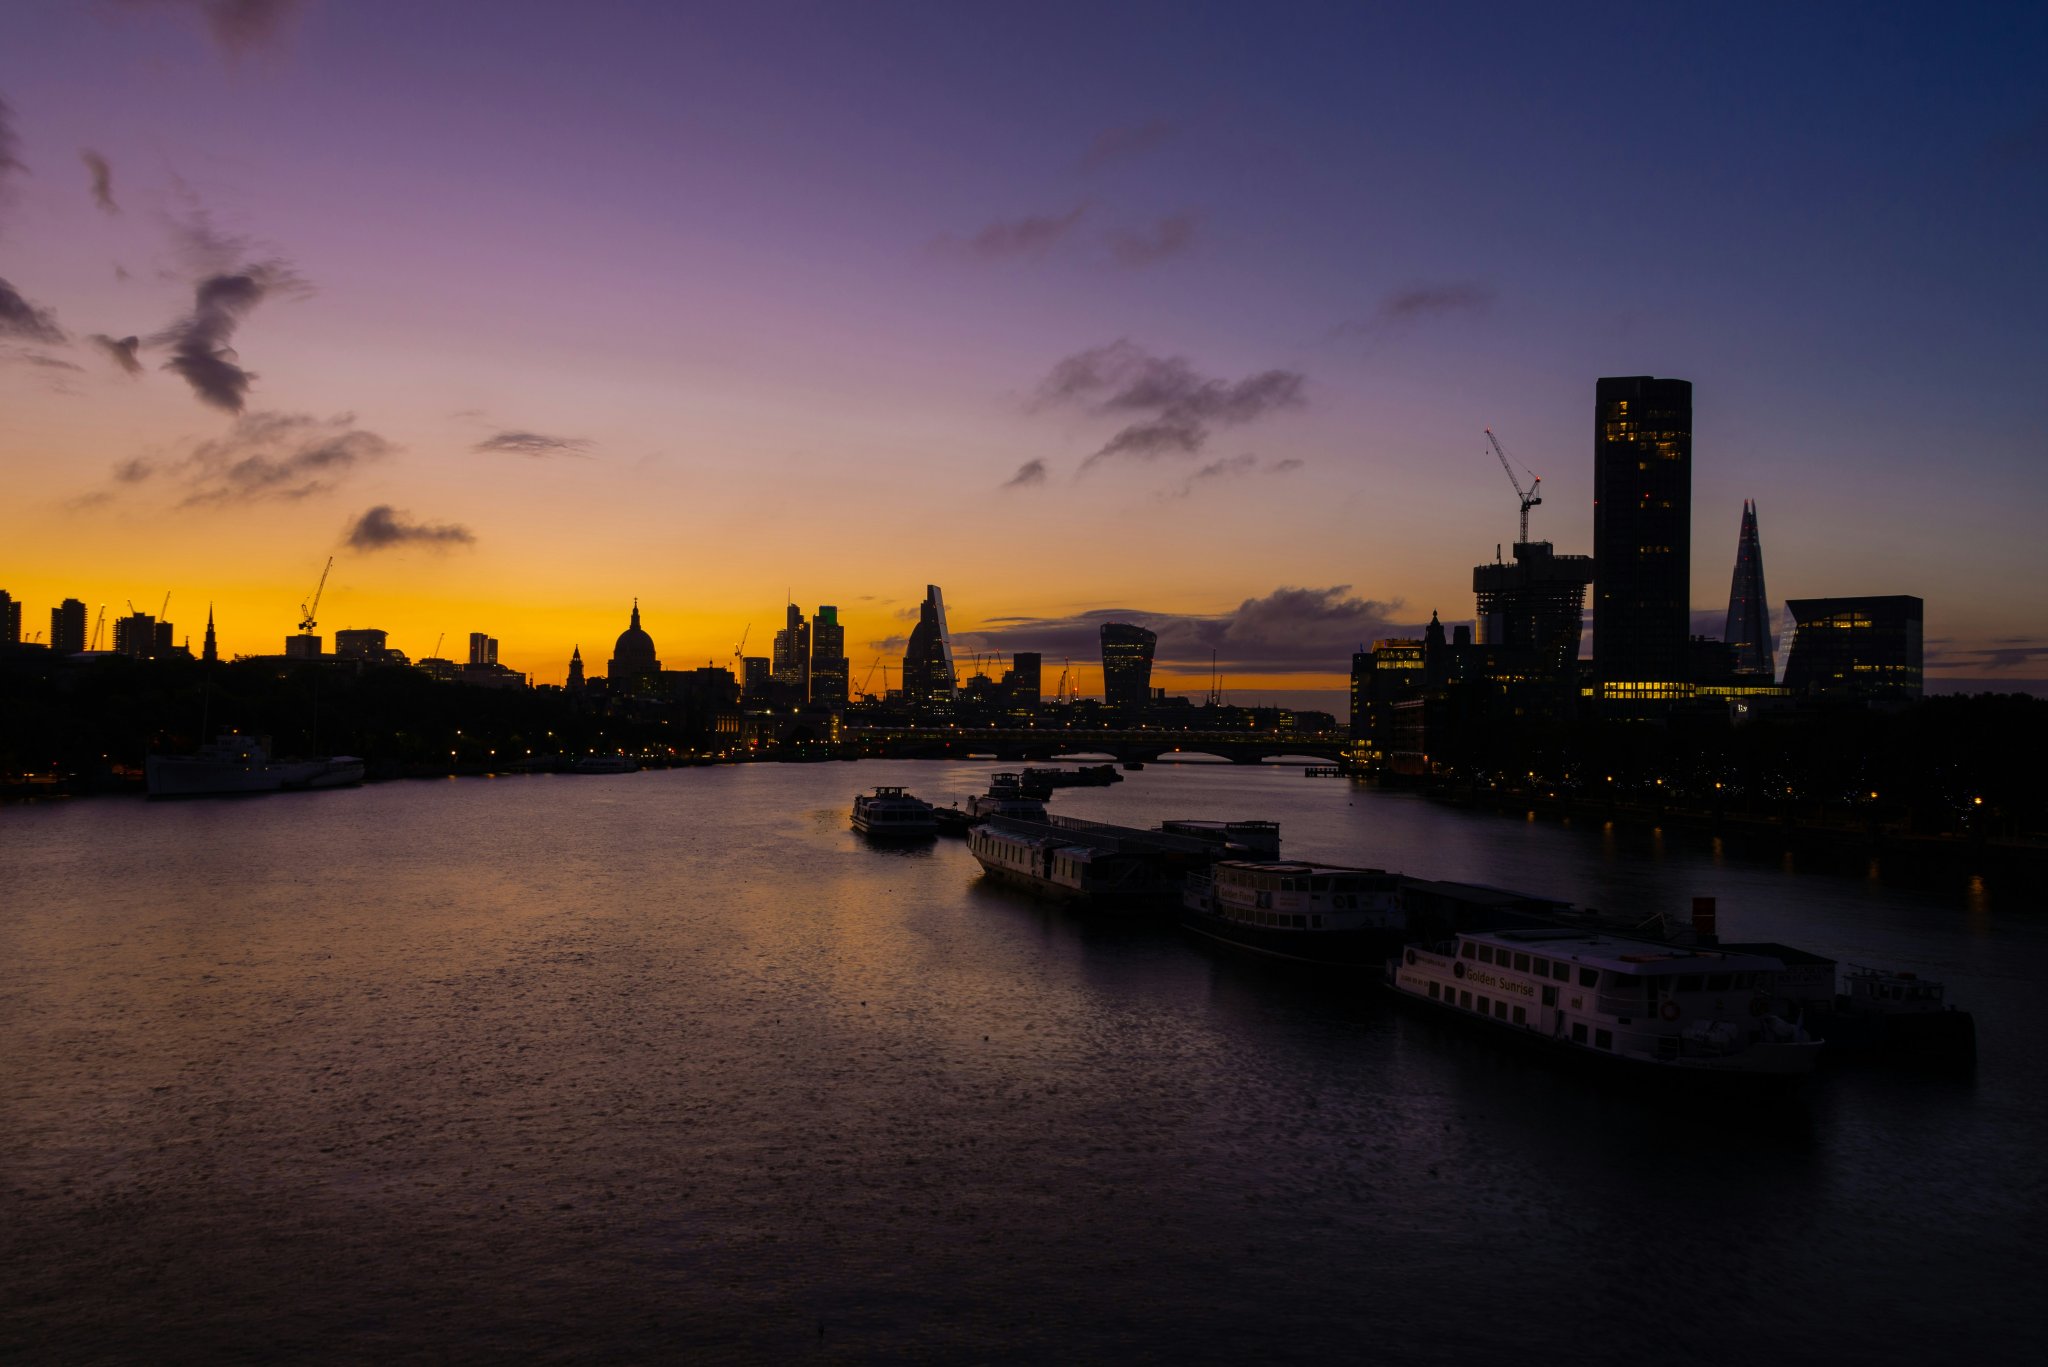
x=1749, y=608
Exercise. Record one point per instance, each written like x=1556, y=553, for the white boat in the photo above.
x=891, y=813
x=236, y=763
x=1624, y=1003
x=1331, y=914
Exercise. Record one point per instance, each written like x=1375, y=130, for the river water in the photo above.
x=673, y=1065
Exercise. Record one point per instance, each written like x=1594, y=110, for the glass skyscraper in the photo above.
x=1749, y=608
x=1642, y=537
x=1127, y=664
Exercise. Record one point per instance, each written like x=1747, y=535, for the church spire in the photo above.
x=210, y=652
x=636, y=614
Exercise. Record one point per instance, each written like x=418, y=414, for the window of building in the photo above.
x=1588, y=977
x=1469, y=950
x=1689, y=982
x=1486, y=954
x=1521, y=963
x=1434, y=992
x=1465, y=1000
x=1500, y=1010
x=1485, y=1005
x=1561, y=971
x=1719, y=982
x=1603, y=1039
x=1550, y=996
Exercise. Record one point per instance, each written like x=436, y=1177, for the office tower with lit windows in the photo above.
x=1855, y=647
x=1127, y=664
x=929, y=679
x=1642, y=538
x=828, y=658
x=1749, y=607
x=793, y=656
x=67, y=627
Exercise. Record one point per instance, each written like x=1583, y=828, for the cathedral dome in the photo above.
x=634, y=652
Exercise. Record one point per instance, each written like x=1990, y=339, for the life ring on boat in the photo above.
x=1669, y=1011
x=1458, y=969
x=1411, y=958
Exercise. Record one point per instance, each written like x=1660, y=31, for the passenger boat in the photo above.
x=235, y=763
x=1070, y=860
x=1330, y=914
x=603, y=764
x=1005, y=797
x=892, y=814
x=1628, y=1004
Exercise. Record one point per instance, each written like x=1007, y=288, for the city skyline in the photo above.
x=1194, y=381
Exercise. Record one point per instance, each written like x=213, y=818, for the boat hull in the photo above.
x=1365, y=950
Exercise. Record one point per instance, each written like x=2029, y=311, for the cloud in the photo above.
x=1029, y=473
x=1231, y=467
x=1113, y=145
x=42, y=360
x=199, y=341
x=384, y=527
x=238, y=26
x=1417, y=304
x=120, y=350
x=2002, y=653
x=1180, y=405
x=1167, y=238
x=1012, y=239
x=11, y=163
x=1290, y=630
x=274, y=456
x=20, y=318
x=133, y=471
x=535, y=444
x=102, y=180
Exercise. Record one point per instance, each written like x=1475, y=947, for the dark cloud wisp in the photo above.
x=238, y=26
x=120, y=350
x=267, y=456
x=199, y=341
x=384, y=528
x=1169, y=237
x=102, y=180
x=1174, y=406
x=1015, y=238
x=19, y=318
x=1029, y=473
x=538, y=445
x=1113, y=145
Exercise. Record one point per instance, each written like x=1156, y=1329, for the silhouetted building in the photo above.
x=576, y=682
x=828, y=659
x=1022, y=682
x=303, y=646
x=1393, y=669
x=67, y=627
x=210, y=652
x=1535, y=606
x=1127, y=664
x=136, y=636
x=928, y=676
x=1749, y=607
x=1642, y=537
x=793, y=658
x=483, y=649
x=10, y=620
x=634, y=665
x=368, y=644
x=757, y=676
x=1867, y=647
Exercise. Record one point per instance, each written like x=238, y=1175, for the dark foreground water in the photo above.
x=671, y=1065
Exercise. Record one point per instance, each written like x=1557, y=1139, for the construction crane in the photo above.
x=437, y=644
x=96, y=627
x=739, y=652
x=306, y=611
x=1529, y=496
x=166, y=607
x=1059, y=692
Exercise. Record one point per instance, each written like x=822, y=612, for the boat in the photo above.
x=1330, y=914
x=1006, y=796
x=1640, y=1005
x=602, y=764
x=1134, y=764
x=1870, y=1014
x=1116, y=868
x=951, y=820
x=892, y=814
x=1087, y=776
x=235, y=763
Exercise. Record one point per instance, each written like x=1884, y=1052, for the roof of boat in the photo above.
x=1296, y=866
x=1623, y=955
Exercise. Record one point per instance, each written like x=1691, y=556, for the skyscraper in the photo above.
x=10, y=620
x=1749, y=607
x=1127, y=664
x=1856, y=646
x=67, y=627
x=793, y=656
x=1642, y=536
x=483, y=649
x=1023, y=690
x=828, y=658
x=928, y=676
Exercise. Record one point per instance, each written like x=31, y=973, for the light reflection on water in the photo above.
x=673, y=1062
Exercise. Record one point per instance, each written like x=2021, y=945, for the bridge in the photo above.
x=1027, y=743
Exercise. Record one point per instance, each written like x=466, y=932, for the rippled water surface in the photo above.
x=672, y=1064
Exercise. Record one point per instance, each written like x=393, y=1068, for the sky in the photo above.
x=1190, y=315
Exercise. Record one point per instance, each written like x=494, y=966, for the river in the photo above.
x=672, y=1065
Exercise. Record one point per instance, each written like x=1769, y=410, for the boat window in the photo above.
x=1521, y=1016
x=1521, y=963
x=1469, y=950
x=1465, y=999
x=1486, y=954
x=1301, y=923
x=1561, y=971
x=1317, y=923
x=1500, y=1011
x=1433, y=993
x=1689, y=982
x=1603, y=1039
x=1719, y=982
x=1588, y=976
x=1578, y=1034
x=1550, y=996
x=1485, y=1005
